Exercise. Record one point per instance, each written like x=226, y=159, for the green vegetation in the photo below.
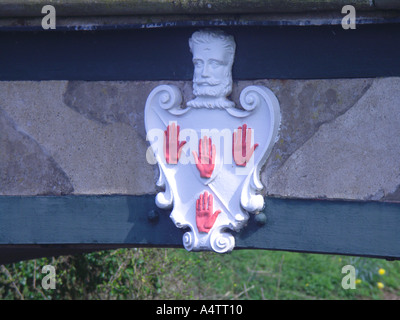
x=177, y=274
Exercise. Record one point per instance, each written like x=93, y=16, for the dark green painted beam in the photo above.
x=49, y=225
x=83, y=219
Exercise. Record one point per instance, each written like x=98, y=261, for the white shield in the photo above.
x=209, y=205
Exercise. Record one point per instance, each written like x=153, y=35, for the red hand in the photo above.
x=172, y=146
x=241, y=147
x=205, y=218
x=205, y=161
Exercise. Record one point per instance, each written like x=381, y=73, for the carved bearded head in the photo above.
x=213, y=55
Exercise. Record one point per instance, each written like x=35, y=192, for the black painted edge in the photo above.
x=326, y=52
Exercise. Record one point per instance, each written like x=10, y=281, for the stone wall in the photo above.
x=339, y=139
x=13, y=8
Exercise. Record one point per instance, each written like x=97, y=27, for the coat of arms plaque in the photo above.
x=210, y=151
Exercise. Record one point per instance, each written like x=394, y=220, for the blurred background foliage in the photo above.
x=146, y=273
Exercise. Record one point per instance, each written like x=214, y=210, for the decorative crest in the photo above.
x=210, y=153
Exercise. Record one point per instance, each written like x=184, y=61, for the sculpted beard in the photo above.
x=213, y=88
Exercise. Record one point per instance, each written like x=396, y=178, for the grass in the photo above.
x=250, y=274
x=177, y=274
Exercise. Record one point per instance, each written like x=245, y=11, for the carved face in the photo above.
x=212, y=70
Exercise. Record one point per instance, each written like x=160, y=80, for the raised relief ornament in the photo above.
x=210, y=152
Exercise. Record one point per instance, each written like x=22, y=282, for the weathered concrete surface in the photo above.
x=337, y=138
x=355, y=156
x=115, y=102
x=25, y=168
x=305, y=106
x=97, y=158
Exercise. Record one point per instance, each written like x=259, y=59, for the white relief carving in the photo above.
x=210, y=153
x=213, y=55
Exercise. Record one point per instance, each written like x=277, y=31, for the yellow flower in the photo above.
x=307, y=284
x=358, y=281
x=381, y=271
x=380, y=285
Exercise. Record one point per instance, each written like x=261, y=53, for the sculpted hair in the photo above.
x=208, y=35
